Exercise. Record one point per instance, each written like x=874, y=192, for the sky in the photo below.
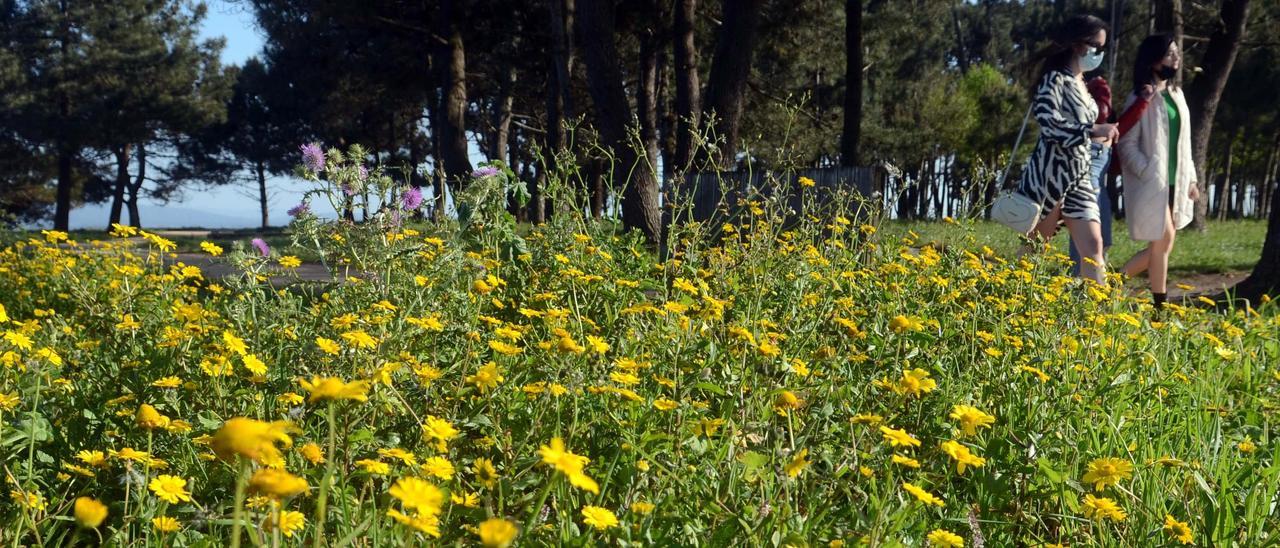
x=217, y=207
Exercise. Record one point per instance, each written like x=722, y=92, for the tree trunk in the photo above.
x=261, y=168
x=451, y=72
x=122, y=182
x=687, y=88
x=135, y=220
x=62, y=207
x=1222, y=194
x=852, y=83
x=502, y=116
x=647, y=85
x=727, y=82
x=1205, y=91
x=604, y=80
x=560, y=14
x=1265, y=278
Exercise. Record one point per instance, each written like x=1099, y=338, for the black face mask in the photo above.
x=1166, y=72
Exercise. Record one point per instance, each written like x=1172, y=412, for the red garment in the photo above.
x=1126, y=122
x=1101, y=92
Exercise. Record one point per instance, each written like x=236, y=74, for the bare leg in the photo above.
x=1043, y=231
x=1158, y=272
x=1088, y=238
x=1138, y=263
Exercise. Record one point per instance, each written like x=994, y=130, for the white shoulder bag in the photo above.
x=1011, y=208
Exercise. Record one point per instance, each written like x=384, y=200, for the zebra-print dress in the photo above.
x=1058, y=171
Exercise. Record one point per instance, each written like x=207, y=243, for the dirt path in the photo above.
x=1201, y=284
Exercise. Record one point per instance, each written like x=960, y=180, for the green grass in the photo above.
x=1225, y=246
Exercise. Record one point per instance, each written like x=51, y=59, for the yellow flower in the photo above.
x=359, y=339
x=439, y=467
x=253, y=364
x=922, y=495
x=1179, y=530
x=870, y=419
x=641, y=507
x=418, y=494
x=905, y=461
x=486, y=378
x=167, y=382
x=165, y=524
x=428, y=523
x=131, y=454
x=768, y=349
x=234, y=343
x=915, y=382
x=797, y=464
x=597, y=344
x=497, y=532
x=1246, y=445
x=211, y=248
x=1107, y=471
x=505, y=348
x=375, y=467
x=598, y=517
x=399, y=454
x=664, y=404
x=485, y=473
x=438, y=429
x=289, y=261
x=277, y=484
x=171, y=489
x=961, y=454
x=89, y=512
x=900, y=324
x=971, y=418
x=252, y=439
x=898, y=438
x=945, y=539
x=290, y=522
x=1102, y=508
x=328, y=346
x=312, y=453
x=331, y=388
x=151, y=419
x=571, y=465
x=807, y=182
x=92, y=458
x=787, y=401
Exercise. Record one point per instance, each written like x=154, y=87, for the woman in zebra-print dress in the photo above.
x=1057, y=175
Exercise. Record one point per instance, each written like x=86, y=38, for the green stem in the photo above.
x=324, y=483
x=238, y=515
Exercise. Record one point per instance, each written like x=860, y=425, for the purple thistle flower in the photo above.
x=299, y=209
x=313, y=157
x=411, y=199
x=363, y=172
x=261, y=246
x=486, y=171
x=347, y=189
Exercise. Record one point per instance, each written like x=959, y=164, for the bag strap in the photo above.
x=1016, y=143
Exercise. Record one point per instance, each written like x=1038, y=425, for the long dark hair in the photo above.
x=1152, y=50
x=1057, y=55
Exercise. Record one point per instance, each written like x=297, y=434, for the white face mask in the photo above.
x=1091, y=59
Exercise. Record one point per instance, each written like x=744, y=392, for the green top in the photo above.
x=1175, y=127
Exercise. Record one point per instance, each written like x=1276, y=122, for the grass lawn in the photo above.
x=1225, y=246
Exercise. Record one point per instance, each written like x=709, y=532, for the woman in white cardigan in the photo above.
x=1159, y=177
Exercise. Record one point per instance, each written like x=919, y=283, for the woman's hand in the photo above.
x=1194, y=192
x=1107, y=132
